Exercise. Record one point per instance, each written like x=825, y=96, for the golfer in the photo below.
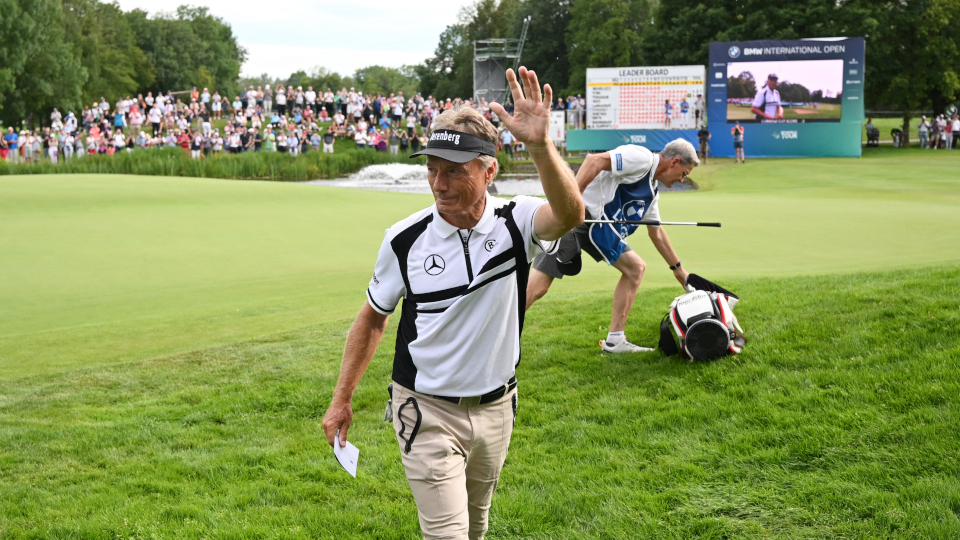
x=619, y=185
x=461, y=268
x=766, y=105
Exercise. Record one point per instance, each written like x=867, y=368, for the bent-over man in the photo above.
x=620, y=185
x=461, y=268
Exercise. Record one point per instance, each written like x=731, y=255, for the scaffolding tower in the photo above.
x=491, y=58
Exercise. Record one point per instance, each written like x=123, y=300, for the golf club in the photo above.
x=628, y=222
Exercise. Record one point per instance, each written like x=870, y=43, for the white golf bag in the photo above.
x=704, y=324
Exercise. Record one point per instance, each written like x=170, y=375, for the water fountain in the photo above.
x=412, y=178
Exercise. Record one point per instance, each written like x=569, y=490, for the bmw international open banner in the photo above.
x=798, y=98
x=648, y=106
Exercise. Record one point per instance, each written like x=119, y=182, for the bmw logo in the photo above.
x=734, y=52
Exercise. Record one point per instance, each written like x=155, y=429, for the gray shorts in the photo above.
x=549, y=265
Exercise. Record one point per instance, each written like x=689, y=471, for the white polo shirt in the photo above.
x=464, y=296
x=629, y=180
x=768, y=99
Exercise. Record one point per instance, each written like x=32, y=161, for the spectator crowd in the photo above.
x=940, y=132
x=286, y=119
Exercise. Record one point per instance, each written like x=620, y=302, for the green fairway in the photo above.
x=102, y=269
x=837, y=421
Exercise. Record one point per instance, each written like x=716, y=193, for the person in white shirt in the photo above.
x=460, y=267
x=361, y=138
x=619, y=185
x=328, y=100
x=699, y=110
x=293, y=144
x=397, y=112
x=281, y=98
x=766, y=104
x=311, y=98
x=68, y=145
x=119, y=141
x=70, y=125
x=923, y=130
x=507, y=140
x=411, y=123
x=155, y=117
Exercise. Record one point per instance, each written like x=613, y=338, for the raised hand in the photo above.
x=530, y=122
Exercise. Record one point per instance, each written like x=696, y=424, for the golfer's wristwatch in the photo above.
x=674, y=267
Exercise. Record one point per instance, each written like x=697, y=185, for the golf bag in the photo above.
x=703, y=322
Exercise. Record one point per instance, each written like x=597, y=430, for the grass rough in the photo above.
x=837, y=421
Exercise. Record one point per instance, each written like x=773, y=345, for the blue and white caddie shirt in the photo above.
x=627, y=191
x=464, y=296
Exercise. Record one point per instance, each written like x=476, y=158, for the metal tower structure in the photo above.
x=491, y=58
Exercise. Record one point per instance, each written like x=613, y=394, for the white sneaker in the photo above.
x=623, y=347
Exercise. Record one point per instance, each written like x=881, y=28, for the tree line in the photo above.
x=912, y=52
x=369, y=80
x=68, y=53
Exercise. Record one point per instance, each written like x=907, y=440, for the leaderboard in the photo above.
x=636, y=97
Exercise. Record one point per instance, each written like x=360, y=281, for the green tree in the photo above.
x=189, y=48
x=605, y=33
x=261, y=80
x=683, y=29
x=442, y=75
x=382, y=80
x=913, y=55
x=322, y=78
x=545, y=50
x=103, y=40
x=38, y=69
x=742, y=86
x=297, y=78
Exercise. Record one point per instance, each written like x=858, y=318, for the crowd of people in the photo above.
x=286, y=119
x=940, y=132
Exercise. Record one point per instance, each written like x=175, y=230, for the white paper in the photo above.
x=347, y=455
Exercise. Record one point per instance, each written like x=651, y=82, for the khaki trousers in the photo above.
x=453, y=460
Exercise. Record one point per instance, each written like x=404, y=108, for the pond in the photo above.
x=412, y=178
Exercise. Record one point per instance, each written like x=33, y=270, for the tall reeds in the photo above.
x=173, y=161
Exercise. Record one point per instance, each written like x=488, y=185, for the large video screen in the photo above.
x=802, y=91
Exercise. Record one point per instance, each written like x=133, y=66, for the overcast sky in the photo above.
x=282, y=37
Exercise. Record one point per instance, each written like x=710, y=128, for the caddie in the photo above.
x=619, y=185
x=461, y=268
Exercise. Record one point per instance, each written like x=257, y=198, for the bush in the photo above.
x=173, y=161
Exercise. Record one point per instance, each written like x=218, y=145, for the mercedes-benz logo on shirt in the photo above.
x=434, y=265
